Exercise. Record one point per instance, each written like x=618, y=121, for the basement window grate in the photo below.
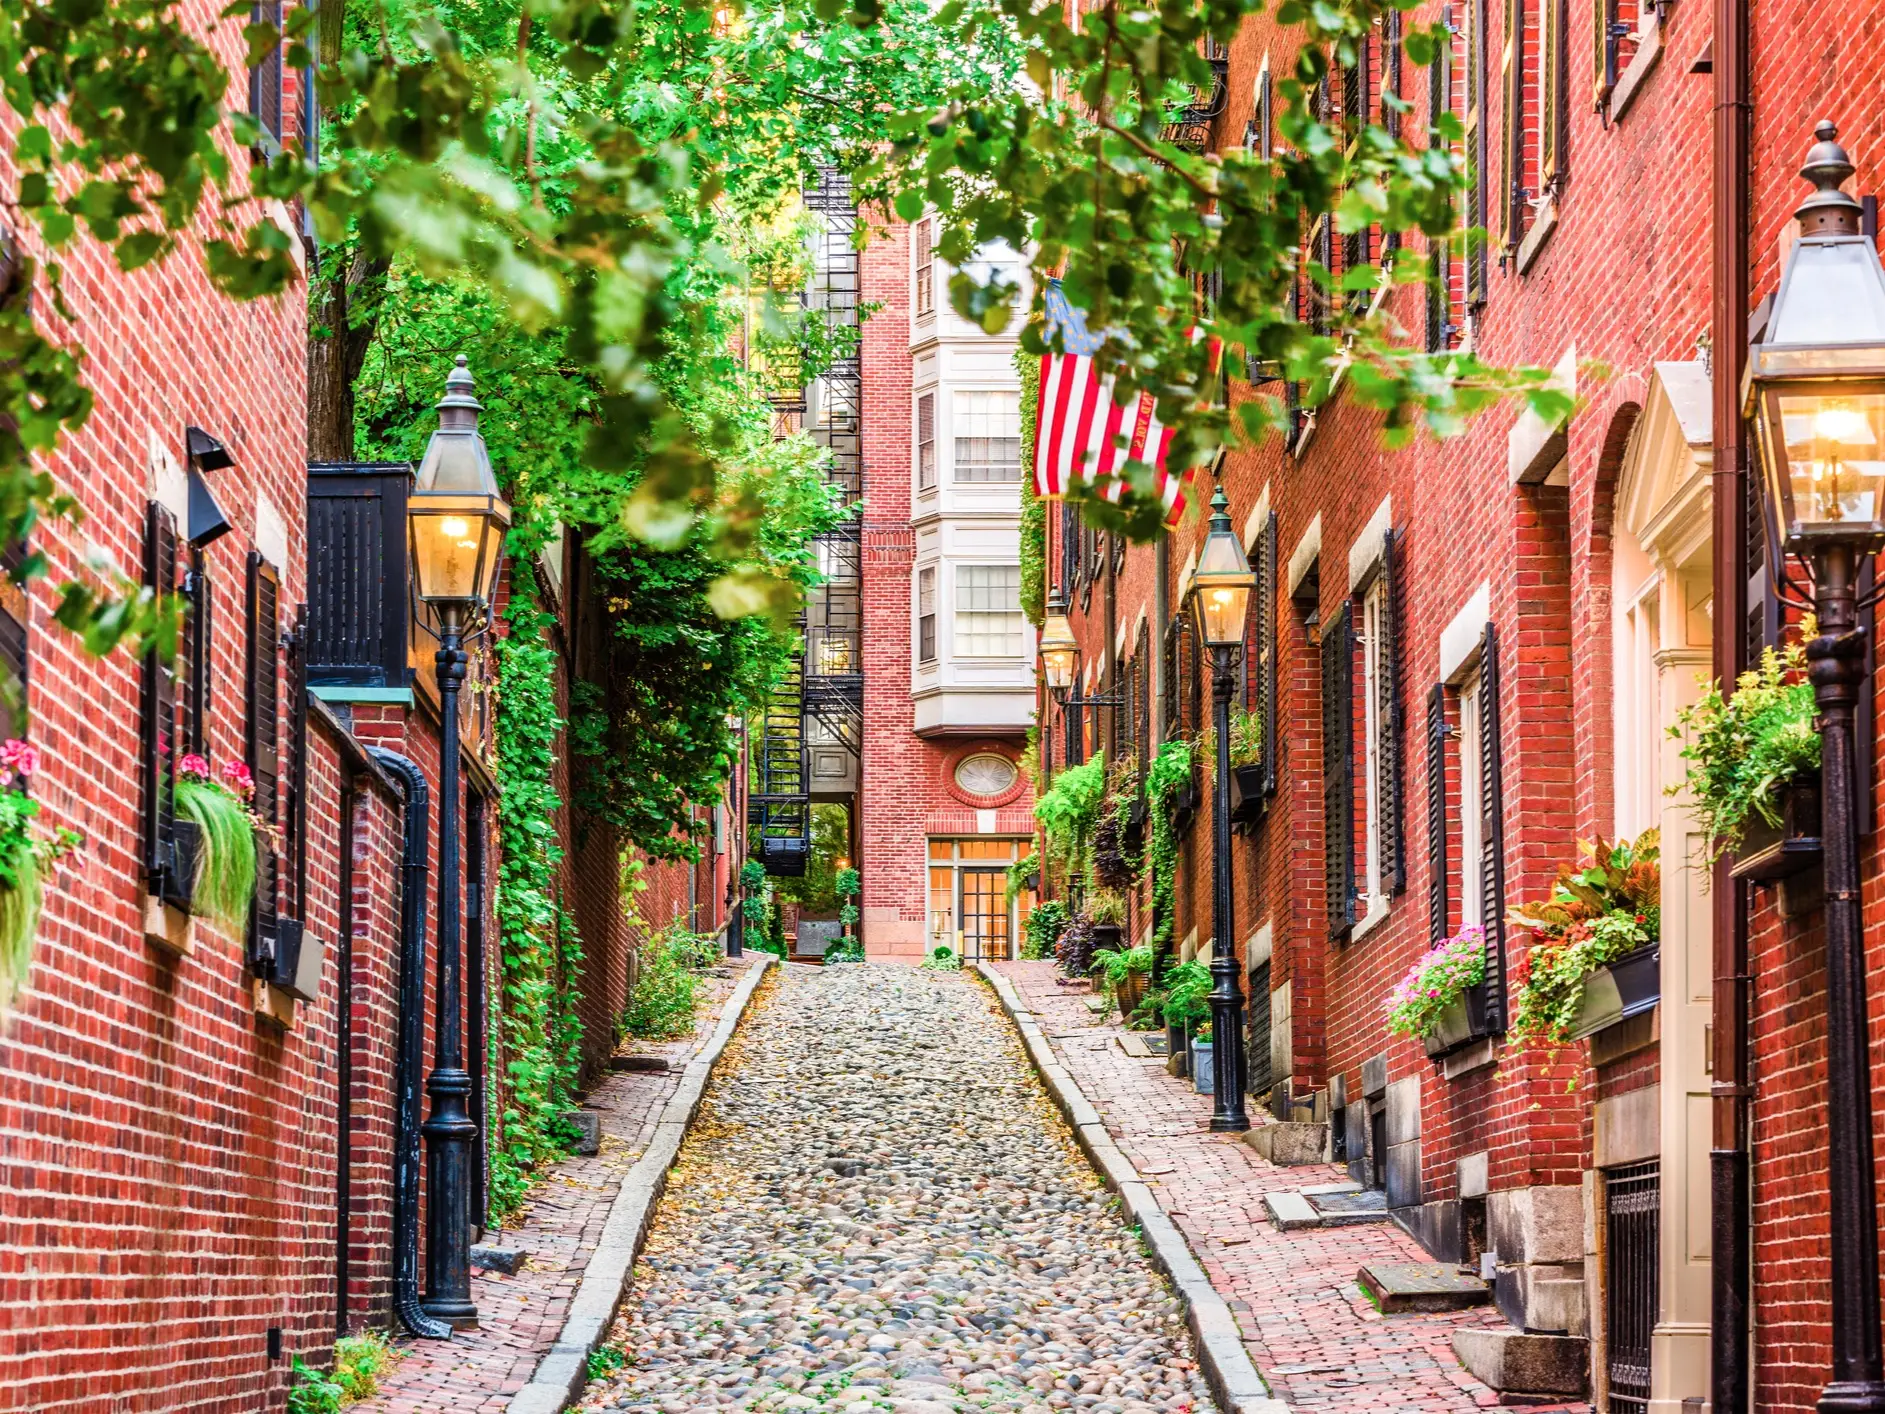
x=1632, y=1212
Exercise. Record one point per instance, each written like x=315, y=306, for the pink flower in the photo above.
x=238, y=777
x=16, y=755
x=194, y=766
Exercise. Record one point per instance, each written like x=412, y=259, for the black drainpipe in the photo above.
x=413, y=872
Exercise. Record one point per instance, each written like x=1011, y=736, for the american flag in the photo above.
x=1084, y=437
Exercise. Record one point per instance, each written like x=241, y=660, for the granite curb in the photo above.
x=564, y=1368
x=1227, y=1366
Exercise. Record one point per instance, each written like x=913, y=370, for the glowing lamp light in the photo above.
x=1816, y=379
x=456, y=517
x=1222, y=584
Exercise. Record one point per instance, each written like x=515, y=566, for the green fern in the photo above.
x=20, y=901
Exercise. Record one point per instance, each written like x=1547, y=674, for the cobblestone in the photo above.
x=878, y=1209
x=477, y=1372
x=1308, y=1325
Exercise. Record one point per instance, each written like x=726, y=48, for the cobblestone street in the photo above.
x=879, y=1209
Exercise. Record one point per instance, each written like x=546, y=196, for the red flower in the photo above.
x=16, y=755
x=238, y=777
x=194, y=766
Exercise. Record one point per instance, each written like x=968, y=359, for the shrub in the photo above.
x=1043, y=928
x=942, y=958
x=661, y=1006
x=1074, y=951
x=312, y=1392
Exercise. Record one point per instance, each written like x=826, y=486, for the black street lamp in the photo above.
x=1220, y=598
x=456, y=520
x=1816, y=392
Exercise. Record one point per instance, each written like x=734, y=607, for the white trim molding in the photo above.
x=1459, y=640
x=1304, y=555
x=1366, y=552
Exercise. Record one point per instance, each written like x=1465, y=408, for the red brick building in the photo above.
x=200, y=1124
x=1470, y=653
x=943, y=805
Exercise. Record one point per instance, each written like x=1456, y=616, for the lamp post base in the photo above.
x=1852, y=1397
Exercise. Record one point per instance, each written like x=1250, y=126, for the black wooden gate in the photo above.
x=1632, y=1208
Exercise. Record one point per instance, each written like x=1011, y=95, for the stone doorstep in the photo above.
x=646, y=1065
x=1286, y=1142
x=1515, y=1362
x=1322, y=1206
x=1422, y=1286
x=508, y=1260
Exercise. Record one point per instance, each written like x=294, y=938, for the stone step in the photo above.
x=1422, y=1286
x=644, y=1065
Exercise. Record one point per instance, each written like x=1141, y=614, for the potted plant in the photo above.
x=1201, y=1076
x=1753, y=772
x=1247, y=797
x=1185, y=1000
x=1172, y=782
x=1595, y=959
x=1106, y=911
x=1073, y=951
x=1124, y=972
x=1442, y=999
x=222, y=885
x=25, y=855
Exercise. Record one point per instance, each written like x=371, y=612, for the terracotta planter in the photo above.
x=1463, y=1022
x=1627, y=987
x=1772, y=852
x=1130, y=993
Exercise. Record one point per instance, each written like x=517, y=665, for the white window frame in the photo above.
x=1472, y=747
x=957, y=635
x=923, y=257
x=1374, y=894
x=960, y=402
x=926, y=446
x=926, y=591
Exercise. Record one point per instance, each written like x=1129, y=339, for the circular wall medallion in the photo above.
x=985, y=773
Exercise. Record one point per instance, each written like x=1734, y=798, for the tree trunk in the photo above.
x=346, y=308
x=345, y=299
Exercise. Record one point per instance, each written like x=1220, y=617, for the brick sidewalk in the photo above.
x=520, y=1316
x=1309, y=1328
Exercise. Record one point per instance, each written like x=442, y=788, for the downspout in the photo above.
x=1730, y=1275
x=413, y=872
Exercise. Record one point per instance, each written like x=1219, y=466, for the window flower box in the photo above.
x=1184, y=804
x=1627, y=987
x=1246, y=793
x=1459, y=1025
x=1770, y=852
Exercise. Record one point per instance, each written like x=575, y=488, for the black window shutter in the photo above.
x=264, y=743
x=1142, y=668
x=15, y=614
x=1260, y=650
x=1436, y=814
x=1338, y=769
x=1393, y=727
x=1491, y=831
x=1194, y=674
x=297, y=832
x=198, y=639
x=158, y=713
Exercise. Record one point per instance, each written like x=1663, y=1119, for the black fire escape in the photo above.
x=824, y=697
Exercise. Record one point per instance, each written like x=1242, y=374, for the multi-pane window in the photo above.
x=1535, y=126
x=1472, y=746
x=926, y=615
x=988, y=611
x=265, y=78
x=988, y=436
x=925, y=269
x=926, y=442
